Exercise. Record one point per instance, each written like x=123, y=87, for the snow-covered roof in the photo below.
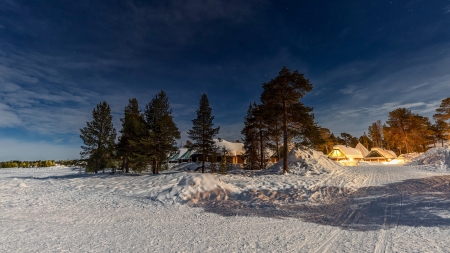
x=179, y=154
x=388, y=154
x=349, y=152
x=363, y=149
x=235, y=148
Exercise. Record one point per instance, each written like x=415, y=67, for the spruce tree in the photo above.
x=399, y=126
x=261, y=123
x=99, y=139
x=440, y=132
x=223, y=167
x=443, y=112
x=163, y=132
x=442, y=118
x=282, y=95
x=251, y=139
x=202, y=132
x=376, y=134
x=275, y=133
x=133, y=131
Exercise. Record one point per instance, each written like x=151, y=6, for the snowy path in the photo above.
x=359, y=209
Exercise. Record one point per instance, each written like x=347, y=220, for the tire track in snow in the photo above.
x=328, y=242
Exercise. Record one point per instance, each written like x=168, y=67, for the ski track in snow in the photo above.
x=59, y=210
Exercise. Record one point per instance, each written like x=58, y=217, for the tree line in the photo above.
x=27, y=164
x=277, y=123
x=403, y=132
x=147, y=138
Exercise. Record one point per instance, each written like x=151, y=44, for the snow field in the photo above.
x=322, y=207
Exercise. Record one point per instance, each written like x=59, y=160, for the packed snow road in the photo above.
x=350, y=209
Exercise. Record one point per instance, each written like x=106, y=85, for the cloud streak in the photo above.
x=417, y=81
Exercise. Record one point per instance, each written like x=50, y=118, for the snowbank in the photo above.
x=197, y=187
x=305, y=161
x=435, y=159
x=409, y=157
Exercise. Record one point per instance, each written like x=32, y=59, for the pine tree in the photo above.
x=443, y=115
x=223, y=167
x=251, y=139
x=275, y=133
x=163, y=132
x=400, y=123
x=440, y=131
x=346, y=137
x=365, y=141
x=202, y=132
x=443, y=112
x=99, y=136
x=133, y=131
x=376, y=134
x=282, y=95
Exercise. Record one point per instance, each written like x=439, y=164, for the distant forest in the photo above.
x=279, y=120
x=33, y=164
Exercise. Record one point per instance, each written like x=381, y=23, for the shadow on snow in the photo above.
x=417, y=202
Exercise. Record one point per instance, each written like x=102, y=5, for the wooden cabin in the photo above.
x=380, y=155
x=345, y=153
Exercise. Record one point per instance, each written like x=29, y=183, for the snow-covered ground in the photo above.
x=321, y=207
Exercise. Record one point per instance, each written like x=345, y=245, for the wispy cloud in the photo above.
x=8, y=117
x=417, y=81
x=447, y=9
x=41, y=94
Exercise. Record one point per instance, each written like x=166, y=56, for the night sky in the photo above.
x=58, y=59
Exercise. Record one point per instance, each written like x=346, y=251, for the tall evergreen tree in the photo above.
x=440, y=131
x=420, y=133
x=365, y=141
x=399, y=124
x=261, y=116
x=328, y=141
x=133, y=130
x=250, y=139
x=275, y=133
x=443, y=112
x=282, y=95
x=162, y=130
x=99, y=139
x=376, y=134
x=346, y=137
x=442, y=118
x=203, y=132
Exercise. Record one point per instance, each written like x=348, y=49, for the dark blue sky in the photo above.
x=58, y=59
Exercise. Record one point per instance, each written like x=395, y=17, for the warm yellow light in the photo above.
x=351, y=159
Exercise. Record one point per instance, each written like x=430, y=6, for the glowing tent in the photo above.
x=342, y=152
x=380, y=155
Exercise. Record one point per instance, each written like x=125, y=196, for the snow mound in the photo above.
x=197, y=187
x=305, y=161
x=409, y=157
x=435, y=159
